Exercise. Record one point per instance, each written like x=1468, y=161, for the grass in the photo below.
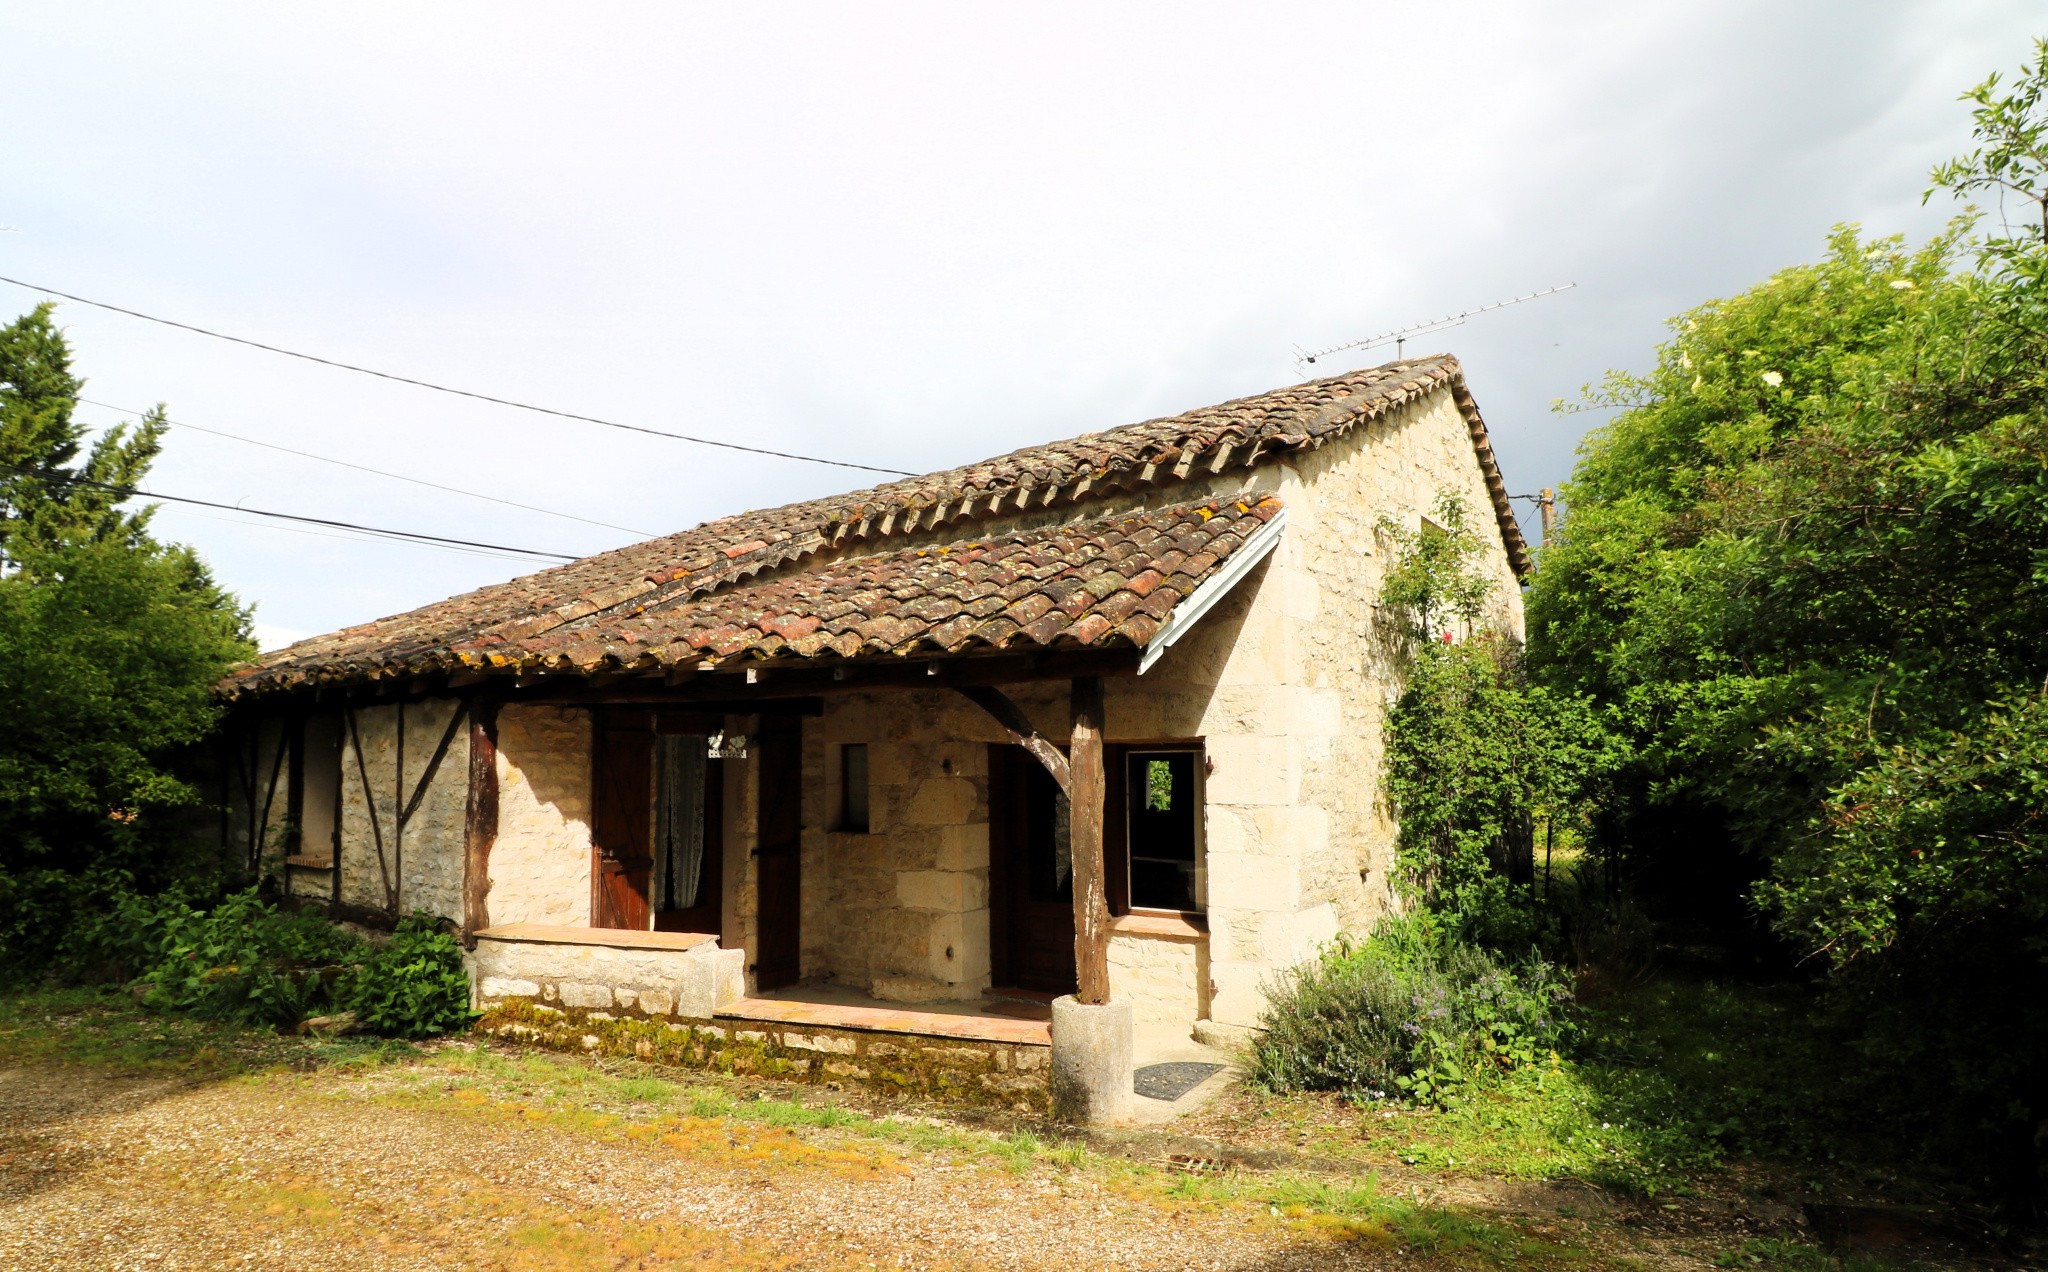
x=1674, y=1081
x=748, y=1124
x=1670, y=1084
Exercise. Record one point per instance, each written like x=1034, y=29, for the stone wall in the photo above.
x=901, y=910
x=968, y=1071
x=257, y=783
x=693, y=982
x=1167, y=980
x=420, y=867
x=1286, y=684
x=540, y=863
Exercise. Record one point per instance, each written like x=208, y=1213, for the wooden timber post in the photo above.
x=480, y=819
x=1086, y=796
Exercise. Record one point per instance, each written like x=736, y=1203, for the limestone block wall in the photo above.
x=693, y=982
x=1166, y=980
x=970, y=1071
x=540, y=862
x=389, y=750
x=902, y=909
x=1352, y=657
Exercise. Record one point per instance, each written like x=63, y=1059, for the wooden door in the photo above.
x=622, y=830
x=778, y=856
x=1031, y=876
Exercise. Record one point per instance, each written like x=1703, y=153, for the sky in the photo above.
x=902, y=235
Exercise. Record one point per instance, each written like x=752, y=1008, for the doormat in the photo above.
x=1171, y=1081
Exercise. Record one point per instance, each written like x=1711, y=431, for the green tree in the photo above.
x=47, y=498
x=1806, y=567
x=1477, y=758
x=110, y=643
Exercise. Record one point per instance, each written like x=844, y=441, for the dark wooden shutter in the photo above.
x=622, y=827
x=778, y=852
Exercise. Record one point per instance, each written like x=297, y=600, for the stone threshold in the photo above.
x=613, y=938
x=963, y=1024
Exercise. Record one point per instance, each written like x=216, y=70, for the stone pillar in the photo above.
x=1091, y=1061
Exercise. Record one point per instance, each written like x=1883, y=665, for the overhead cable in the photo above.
x=378, y=472
x=442, y=388
x=131, y=492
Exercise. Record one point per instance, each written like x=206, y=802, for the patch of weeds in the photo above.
x=100, y=1026
x=1549, y=1122
x=1351, y=1209
x=1793, y=1256
x=645, y=1090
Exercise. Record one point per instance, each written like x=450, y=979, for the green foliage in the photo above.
x=1477, y=758
x=48, y=500
x=241, y=961
x=2011, y=159
x=415, y=985
x=1477, y=761
x=109, y=646
x=1805, y=570
x=1435, y=579
x=1412, y=1010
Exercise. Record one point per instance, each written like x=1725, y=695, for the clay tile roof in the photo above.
x=686, y=596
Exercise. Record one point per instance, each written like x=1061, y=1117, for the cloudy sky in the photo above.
x=896, y=234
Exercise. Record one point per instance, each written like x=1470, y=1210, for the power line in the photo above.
x=442, y=388
x=404, y=536
x=363, y=468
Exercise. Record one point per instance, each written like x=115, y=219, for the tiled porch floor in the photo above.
x=839, y=1007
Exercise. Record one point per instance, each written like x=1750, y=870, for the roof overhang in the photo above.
x=1213, y=589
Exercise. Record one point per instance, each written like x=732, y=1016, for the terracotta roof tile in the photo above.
x=534, y=621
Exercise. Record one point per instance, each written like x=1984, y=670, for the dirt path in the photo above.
x=100, y=1169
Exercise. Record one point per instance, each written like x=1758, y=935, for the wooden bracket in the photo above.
x=1007, y=714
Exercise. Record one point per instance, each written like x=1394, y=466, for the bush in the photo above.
x=1413, y=1009
x=242, y=960
x=415, y=985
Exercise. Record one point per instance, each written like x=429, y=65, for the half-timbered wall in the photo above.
x=404, y=786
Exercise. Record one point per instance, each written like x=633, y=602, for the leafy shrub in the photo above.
x=242, y=960
x=415, y=985
x=1412, y=1009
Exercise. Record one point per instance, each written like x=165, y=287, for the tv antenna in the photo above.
x=1399, y=339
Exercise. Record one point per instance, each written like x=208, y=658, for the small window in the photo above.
x=853, y=788
x=1162, y=808
x=681, y=783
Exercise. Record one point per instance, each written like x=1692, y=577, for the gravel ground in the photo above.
x=101, y=1169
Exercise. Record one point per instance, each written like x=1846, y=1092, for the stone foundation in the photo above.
x=1015, y=1075
x=588, y=973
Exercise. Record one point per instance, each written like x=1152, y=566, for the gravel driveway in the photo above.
x=105, y=1169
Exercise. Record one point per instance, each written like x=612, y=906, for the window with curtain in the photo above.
x=679, y=773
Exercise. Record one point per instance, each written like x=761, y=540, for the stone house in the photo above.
x=876, y=753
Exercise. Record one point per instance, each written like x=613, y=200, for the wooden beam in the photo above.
x=419, y=790
x=355, y=743
x=1007, y=714
x=479, y=819
x=1086, y=795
